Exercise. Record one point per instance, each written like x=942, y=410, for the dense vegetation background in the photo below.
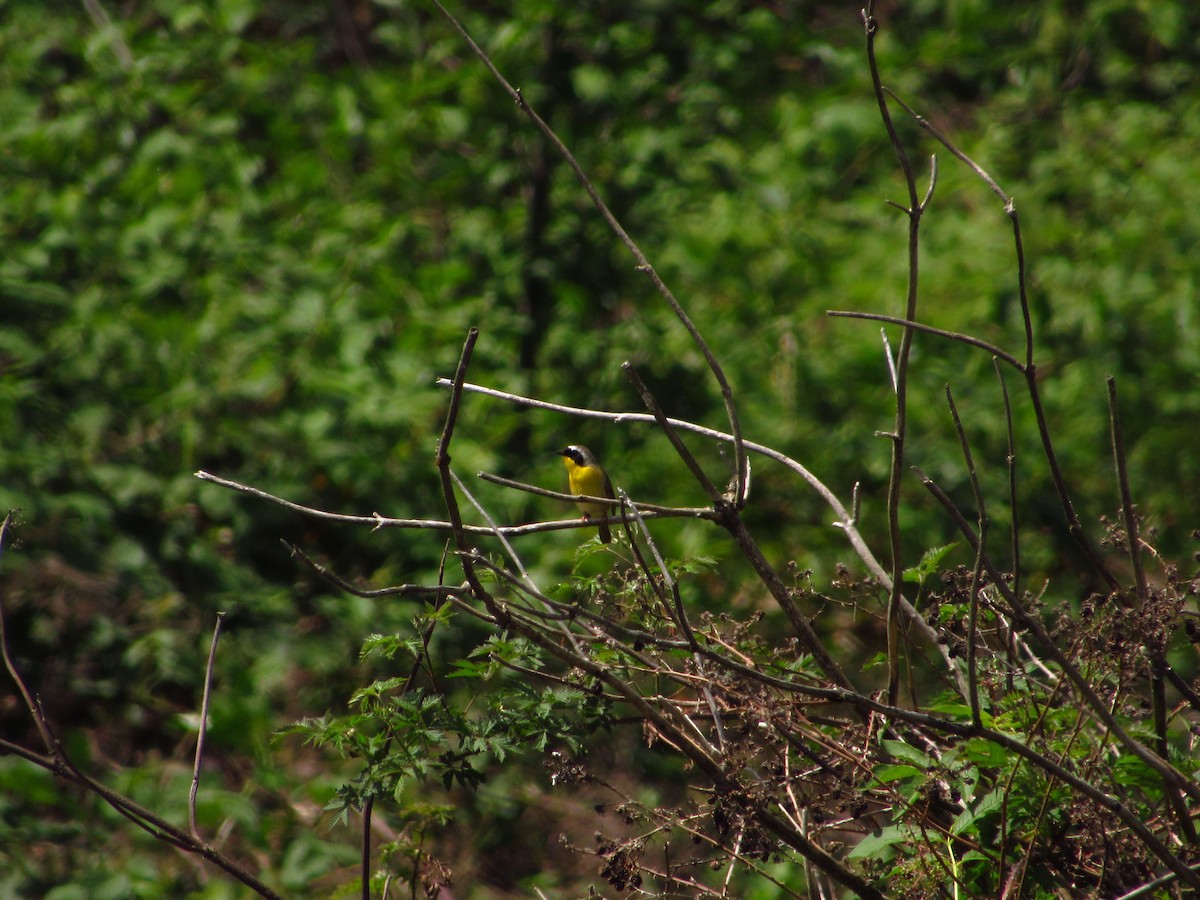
x=246, y=236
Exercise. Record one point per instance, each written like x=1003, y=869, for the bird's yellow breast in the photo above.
x=584, y=479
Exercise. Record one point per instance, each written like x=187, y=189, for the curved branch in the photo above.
x=929, y=329
x=378, y=521
x=1028, y=369
x=741, y=476
x=844, y=520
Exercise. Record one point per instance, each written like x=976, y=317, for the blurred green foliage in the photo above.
x=253, y=250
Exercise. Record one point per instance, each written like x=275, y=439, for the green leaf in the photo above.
x=881, y=846
x=969, y=819
x=984, y=753
x=890, y=772
x=901, y=750
x=930, y=561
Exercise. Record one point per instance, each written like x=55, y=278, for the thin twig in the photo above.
x=1128, y=513
x=629, y=518
x=1074, y=526
x=495, y=529
x=929, y=329
x=669, y=585
x=553, y=611
x=376, y=520
x=525, y=580
x=977, y=570
x=945, y=142
x=441, y=460
x=1010, y=466
x=671, y=433
x=208, y=673
x=890, y=358
x=31, y=704
x=915, y=210
x=871, y=27
x=426, y=592
x=680, y=615
x=656, y=510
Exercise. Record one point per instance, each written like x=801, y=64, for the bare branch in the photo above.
x=441, y=460
x=655, y=510
x=1028, y=369
x=977, y=571
x=929, y=329
x=915, y=211
x=203, y=727
x=31, y=704
x=1010, y=460
x=844, y=519
x=1128, y=514
x=378, y=521
x=643, y=264
x=671, y=434
x=419, y=591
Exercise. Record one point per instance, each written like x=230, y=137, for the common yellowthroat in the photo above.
x=585, y=476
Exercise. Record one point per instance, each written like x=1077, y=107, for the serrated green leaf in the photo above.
x=930, y=560
x=890, y=772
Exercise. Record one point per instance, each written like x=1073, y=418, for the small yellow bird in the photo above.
x=585, y=476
